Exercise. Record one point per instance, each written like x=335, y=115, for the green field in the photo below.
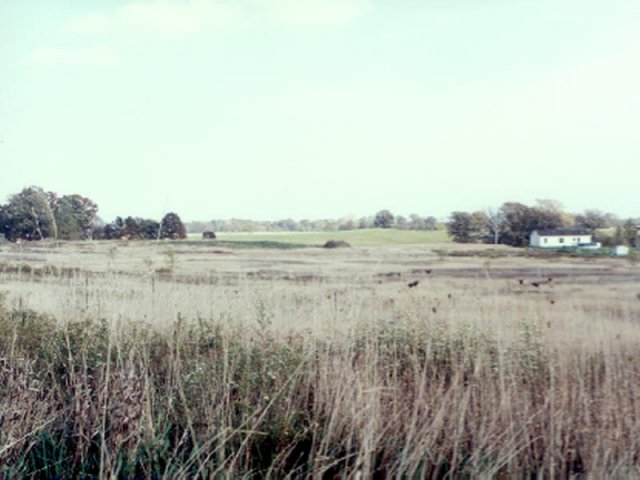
x=364, y=237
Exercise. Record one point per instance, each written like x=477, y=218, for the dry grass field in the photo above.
x=197, y=359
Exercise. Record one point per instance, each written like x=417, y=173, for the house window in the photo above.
x=561, y=240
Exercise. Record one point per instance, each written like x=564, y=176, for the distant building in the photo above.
x=562, y=237
x=621, y=250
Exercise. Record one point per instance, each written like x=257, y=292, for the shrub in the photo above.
x=336, y=244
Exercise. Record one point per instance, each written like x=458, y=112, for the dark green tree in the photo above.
x=148, y=228
x=466, y=227
x=172, y=227
x=74, y=216
x=131, y=229
x=28, y=215
x=519, y=220
x=114, y=230
x=460, y=227
x=383, y=219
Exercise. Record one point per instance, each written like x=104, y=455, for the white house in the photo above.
x=561, y=237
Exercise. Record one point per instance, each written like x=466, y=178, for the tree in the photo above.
x=131, y=229
x=495, y=223
x=114, y=230
x=592, y=220
x=402, y=223
x=431, y=223
x=416, y=222
x=365, y=222
x=479, y=229
x=619, y=237
x=460, y=227
x=286, y=225
x=519, y=222
x=347, y=223
x=149, y=229
x=74, y=216
x=28, y=216
x=383, y=219
x=550, y=214
x=172, y=227
x=630, y=233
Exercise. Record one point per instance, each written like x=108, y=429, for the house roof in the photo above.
x=562, y=232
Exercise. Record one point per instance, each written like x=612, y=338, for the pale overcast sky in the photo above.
x=269, y=109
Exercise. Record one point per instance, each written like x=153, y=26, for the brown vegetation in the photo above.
x=205, y=370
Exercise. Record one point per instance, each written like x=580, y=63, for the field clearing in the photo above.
x=317, y=362
x=360, y=237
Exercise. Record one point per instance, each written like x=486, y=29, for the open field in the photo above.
x=197, y=359
x=360, y=237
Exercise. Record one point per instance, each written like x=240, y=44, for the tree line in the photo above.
x=381, y=219
x=35, y=214
x=513, y=223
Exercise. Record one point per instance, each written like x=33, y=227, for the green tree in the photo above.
x=28, y=216
x=114, y=230
x=460, y=227
x=131, y=229
x=519, y=220
x=467, y=227
x=149, y=228
x=383, y=219
x=172, y=227
x=74, y=216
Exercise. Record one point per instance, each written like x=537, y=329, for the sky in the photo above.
x=269, y=109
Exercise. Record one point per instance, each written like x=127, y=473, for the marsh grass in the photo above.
x=129, y=373
x=200, y=397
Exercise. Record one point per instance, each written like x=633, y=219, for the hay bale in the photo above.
x=336, y=244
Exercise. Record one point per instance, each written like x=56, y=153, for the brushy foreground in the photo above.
x=202, y=398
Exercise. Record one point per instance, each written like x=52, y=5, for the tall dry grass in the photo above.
x=264, y=378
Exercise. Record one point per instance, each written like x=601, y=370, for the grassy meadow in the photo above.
x=200, y=359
